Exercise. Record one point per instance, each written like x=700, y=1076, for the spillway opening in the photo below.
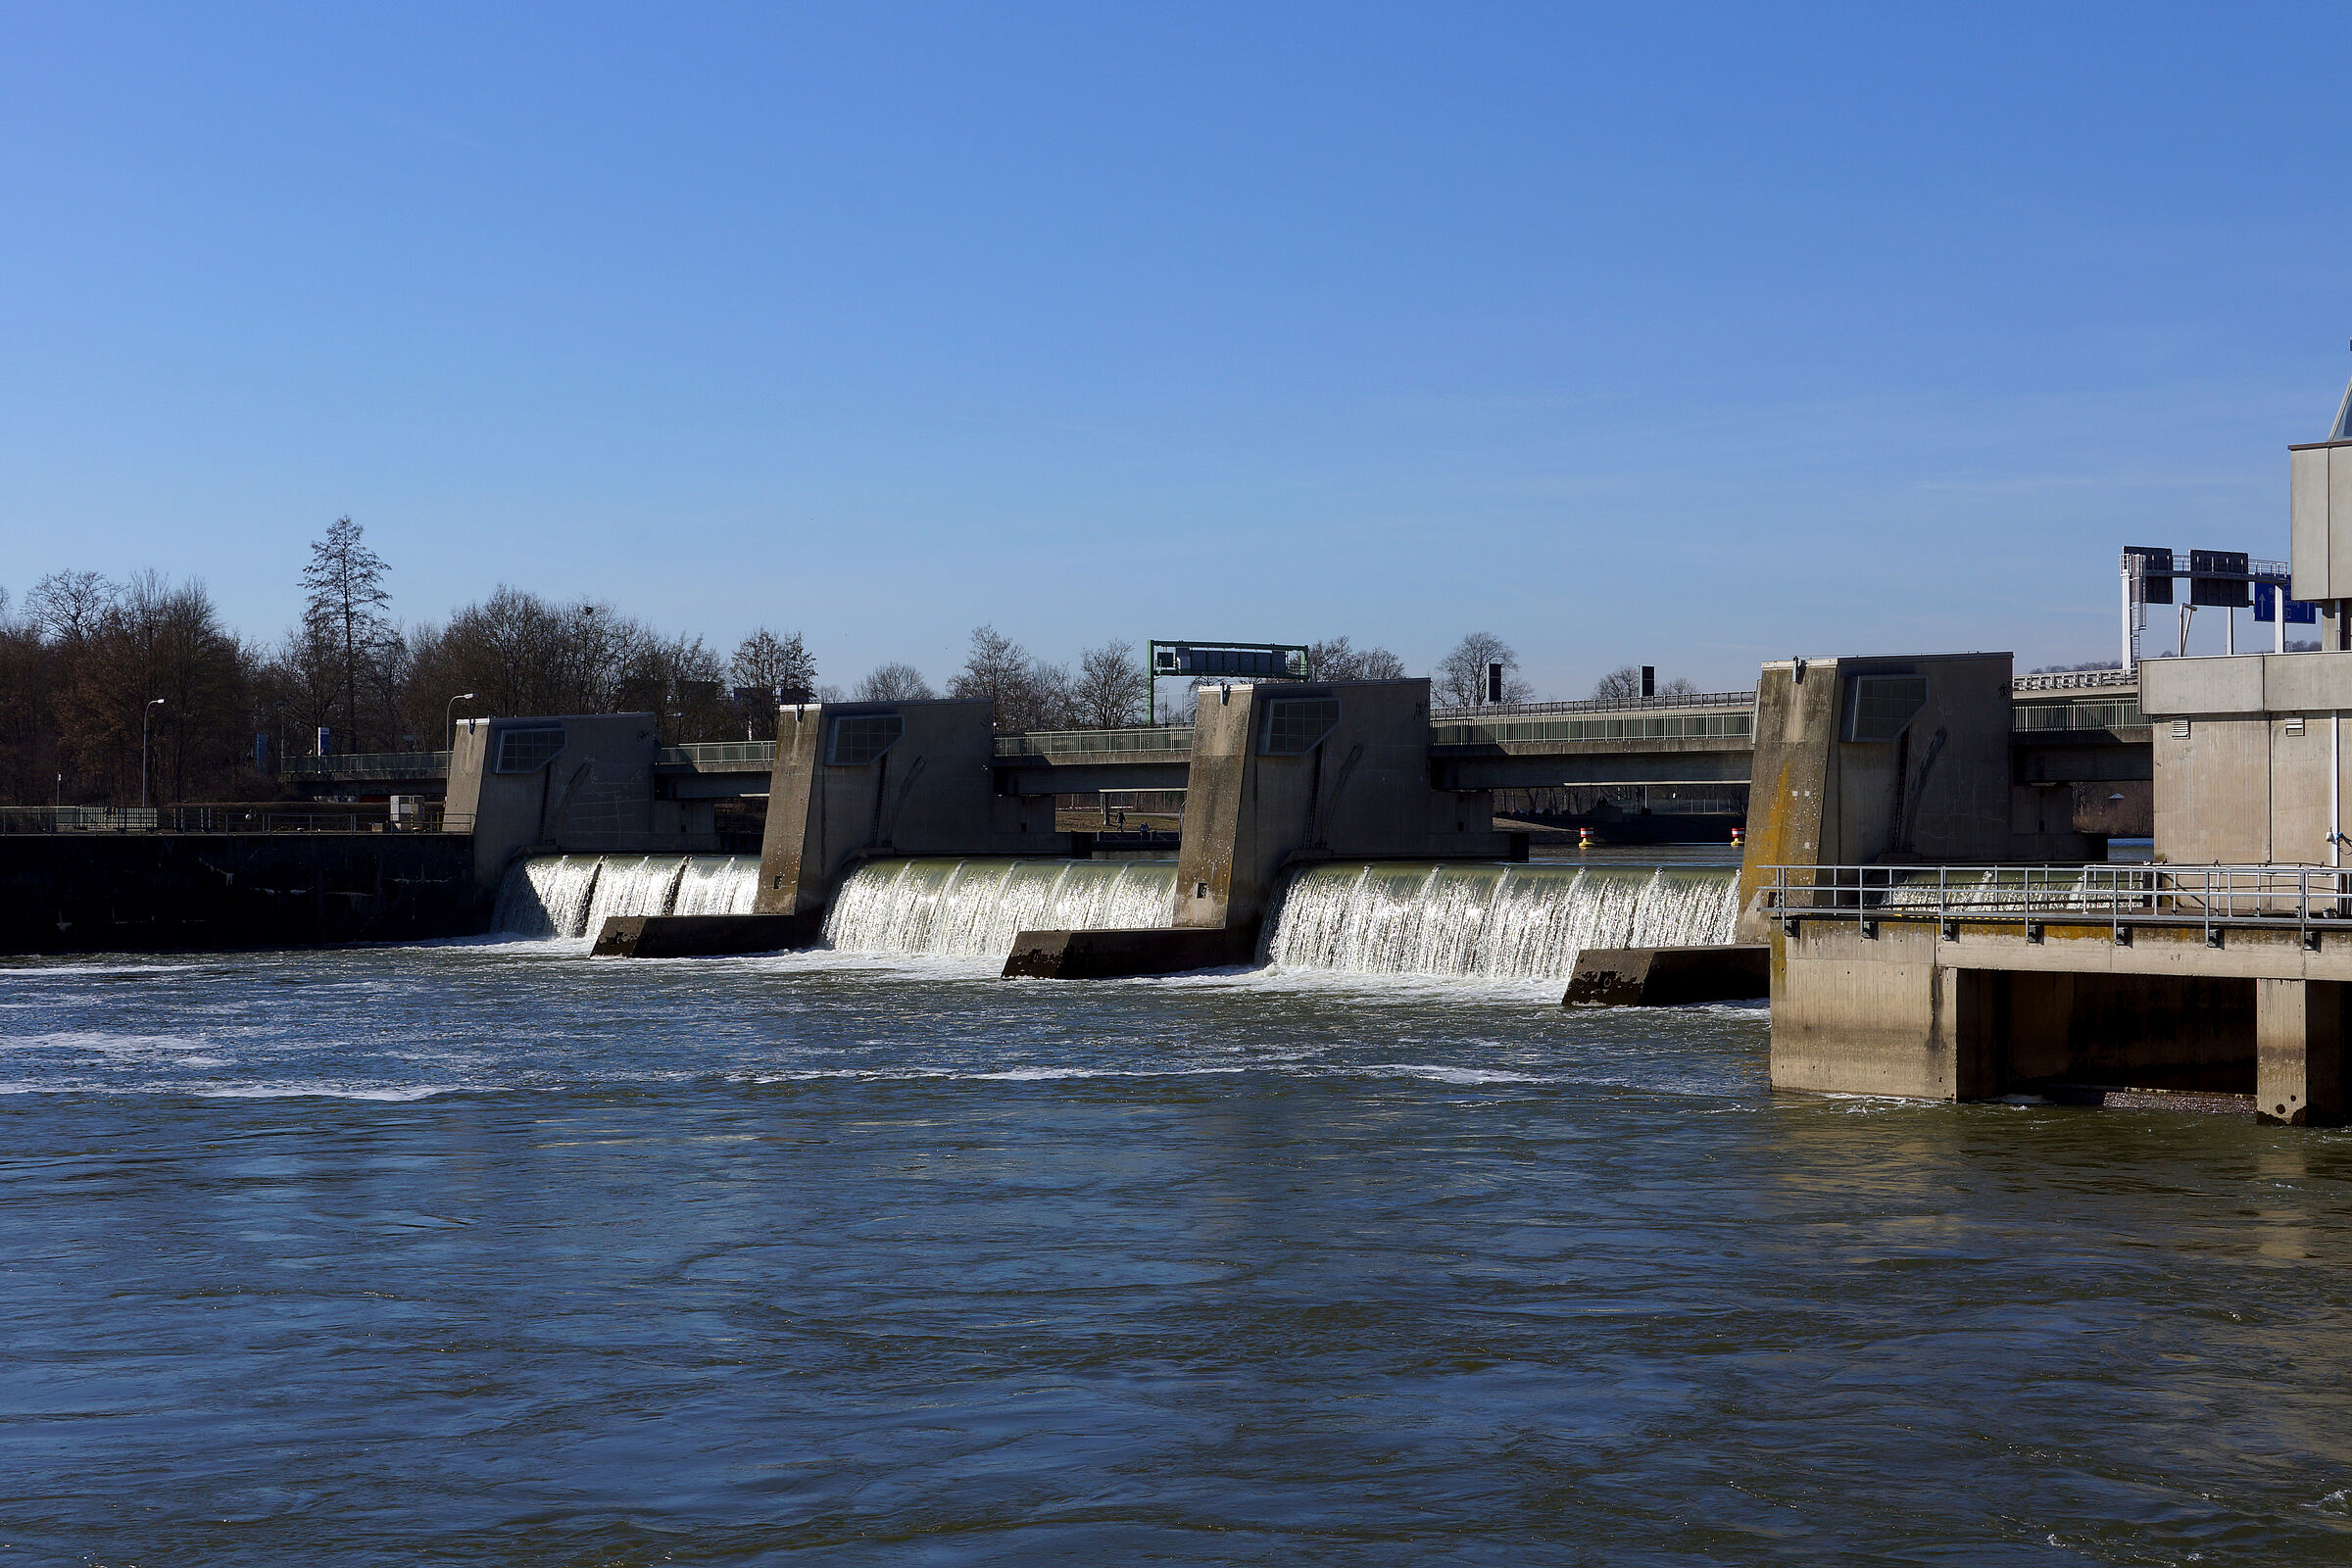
x=1492, y=921
x=974, y=908
x=571, y=895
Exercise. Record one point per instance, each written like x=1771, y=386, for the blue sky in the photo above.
x=1684, y=336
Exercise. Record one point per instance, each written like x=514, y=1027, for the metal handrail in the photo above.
x=2113, y=713
x=426, y=817
x=1166, y=739
x=369, y=764
x=1738, y=726
x=1439, y=713
x=2213, y=897
x=2072, y=680
x=715, y=754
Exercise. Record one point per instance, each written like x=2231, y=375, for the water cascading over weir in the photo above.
x=571, y=896
x=1487, y=922
x=1315, y=834
x=1492, y=921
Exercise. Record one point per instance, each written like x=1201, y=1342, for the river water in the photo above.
x=484, y=1253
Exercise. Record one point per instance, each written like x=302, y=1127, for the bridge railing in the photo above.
x=744, y=754
x=2070, y=680
x=1157, y=740
x=1439, y=713
x=2214, y=897
x=428, y=818
x=370, y=765
x=1741, y=726
x=2121, y=713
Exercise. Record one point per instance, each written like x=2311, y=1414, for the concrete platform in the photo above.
x=1119, y=954
x=1666, y=977
x=704, y=936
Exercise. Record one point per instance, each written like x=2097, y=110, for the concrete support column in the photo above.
x=2299, y=1051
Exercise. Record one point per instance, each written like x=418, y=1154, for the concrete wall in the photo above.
x=594, y=796
x=2320, y=498
x=1361, y=792
x=930, y=793
x=1940, y=789
x=2243, y=750
x=1911, y=1011
x=97, y=893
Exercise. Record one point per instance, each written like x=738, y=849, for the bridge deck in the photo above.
x=2072, y=725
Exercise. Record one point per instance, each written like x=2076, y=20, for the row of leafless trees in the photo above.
x=109, y=687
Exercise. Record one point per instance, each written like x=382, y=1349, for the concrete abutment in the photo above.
x=2257, y=1025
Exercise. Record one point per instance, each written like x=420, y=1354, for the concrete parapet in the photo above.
x=698, y=936
x=1118, y=955
x=1666, y=977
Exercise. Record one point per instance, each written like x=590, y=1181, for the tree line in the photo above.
x=110, y=690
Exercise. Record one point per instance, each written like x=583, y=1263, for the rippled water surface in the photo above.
x=489, y=1253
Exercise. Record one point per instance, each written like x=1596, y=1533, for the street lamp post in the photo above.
x=449, y=717
x=145, y=713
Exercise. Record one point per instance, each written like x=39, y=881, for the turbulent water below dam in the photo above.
x=489, y=1253
x=1438, y=918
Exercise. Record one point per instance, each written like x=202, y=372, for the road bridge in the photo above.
x=2078, y=731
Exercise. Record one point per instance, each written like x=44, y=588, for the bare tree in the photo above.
x=776, y=668
x=159, y=641
x=67, y=605
x=1025, y=692
x=343, y=617
x=779, y=665
x=1111, y=687
x=1460, y=677
x=895, y=683
x=1337, y=660
x=1623, y=681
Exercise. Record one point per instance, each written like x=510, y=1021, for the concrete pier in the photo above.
x=695, y=936
x=1279, y=773
x=1669, y=977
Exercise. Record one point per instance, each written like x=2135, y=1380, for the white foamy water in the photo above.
x=976, y=909
x=1492, y=921
x=573, y=895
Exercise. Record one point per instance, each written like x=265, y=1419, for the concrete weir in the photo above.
x=695, y=936
x=1669, y=977
x=853, y=781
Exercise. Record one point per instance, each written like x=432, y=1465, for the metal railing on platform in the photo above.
x=2069, y=680
x=1624, y=727
x=1152, y=741
x=2213, y=897
x=2097, y=714
x=372, y=764
x=745, y=755
x=426, y=817
x=1439, y=713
